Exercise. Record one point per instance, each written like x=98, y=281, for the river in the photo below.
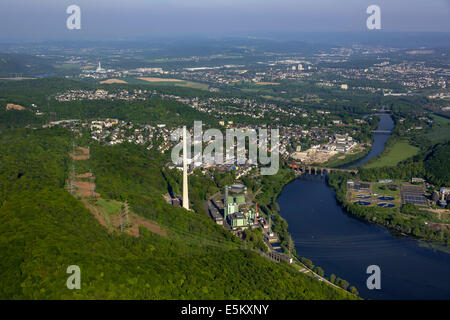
x=346, y=246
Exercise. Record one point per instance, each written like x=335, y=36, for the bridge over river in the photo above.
x=302, y=169
x=382, y=131
x=343, y=245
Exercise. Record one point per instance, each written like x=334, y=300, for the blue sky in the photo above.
x=45, y=19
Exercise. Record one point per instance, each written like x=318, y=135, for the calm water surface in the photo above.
x=345, y=246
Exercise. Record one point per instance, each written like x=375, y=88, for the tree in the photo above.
x=332, y=278
x=308, y=263
x=319, y=271
x=342, y=283
x=354, y=290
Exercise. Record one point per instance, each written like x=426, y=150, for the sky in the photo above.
x=122, y=19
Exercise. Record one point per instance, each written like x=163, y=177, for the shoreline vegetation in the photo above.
x=400, y=160
x=396, y=220
x=409, y=220
x=280, y=227
x=394, y=155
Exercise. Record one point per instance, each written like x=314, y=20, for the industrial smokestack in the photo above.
x=185, y=178
x=225, y=208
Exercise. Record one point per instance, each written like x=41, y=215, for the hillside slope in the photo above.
x=44, y=229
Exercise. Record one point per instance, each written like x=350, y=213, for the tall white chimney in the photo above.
x=185, y=176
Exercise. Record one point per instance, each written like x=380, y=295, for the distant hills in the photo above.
x=14, y=65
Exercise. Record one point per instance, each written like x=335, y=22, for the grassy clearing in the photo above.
x=440, y=120
x=398, y=152
x=109, y=206
x=382, y=189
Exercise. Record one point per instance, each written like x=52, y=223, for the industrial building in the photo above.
x=359, y=186
x=214, y=212
x=444, y=197
x=414, y=195
x=238, y=212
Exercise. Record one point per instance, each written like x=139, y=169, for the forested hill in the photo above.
x=24, y=65
x=437, y=165
x=42, y=92
x=44, y=229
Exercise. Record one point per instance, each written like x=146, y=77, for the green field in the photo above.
x=187, y=84
x=440, y=120
x=401, y=150
x=191, y=84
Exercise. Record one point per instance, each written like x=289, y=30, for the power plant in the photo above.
x=238, y=211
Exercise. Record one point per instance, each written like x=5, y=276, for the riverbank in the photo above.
x=408, y=221
x=284, y=177
x=345, y=245
x=381, y=154
x=335, y=162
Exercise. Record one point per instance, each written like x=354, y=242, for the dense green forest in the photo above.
x=437, y=165
x=44, y=229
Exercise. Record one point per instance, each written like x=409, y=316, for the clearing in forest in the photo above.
x=111, y=214
x=112, y=81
